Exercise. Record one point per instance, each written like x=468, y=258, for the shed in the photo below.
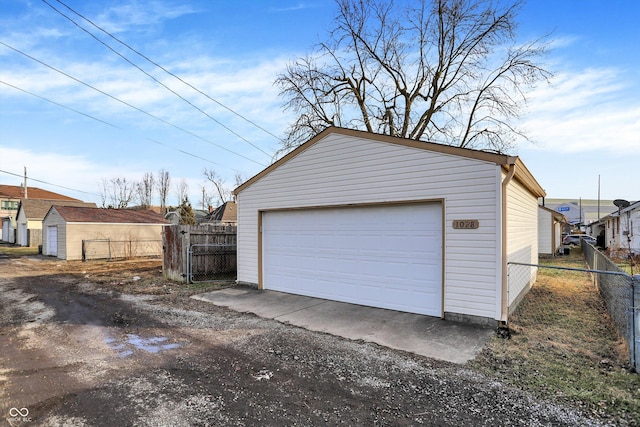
x=550, y=225
x=393, y=223
x=31, y=212
x=72, y=232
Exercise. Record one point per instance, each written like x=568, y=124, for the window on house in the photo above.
x=10, y=206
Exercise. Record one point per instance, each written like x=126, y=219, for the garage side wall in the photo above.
x=545, y=232
x=344, y=170
x=137, y=233
x=522, y=238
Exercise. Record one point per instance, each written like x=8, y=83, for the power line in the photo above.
x=170, y=73
x=59, y=105
x=129, y=105
x=48, y=183
x=104, y=122
x=150, y=76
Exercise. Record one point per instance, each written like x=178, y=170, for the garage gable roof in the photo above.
x=555, y=214
x=522, y=174
x=111, y=216
x=35, y=209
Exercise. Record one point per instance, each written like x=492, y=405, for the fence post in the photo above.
x=635, y=330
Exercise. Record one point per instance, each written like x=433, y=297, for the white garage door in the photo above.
x=384, y=256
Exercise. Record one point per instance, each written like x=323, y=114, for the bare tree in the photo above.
x=104, y=192
x=224, y=194
x=447, y=71
x=164, y=183
x=116, y=193
x=239, y=179
x=145, y=189
x=182, y=190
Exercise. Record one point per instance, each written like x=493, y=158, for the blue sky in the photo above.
x=585, y=124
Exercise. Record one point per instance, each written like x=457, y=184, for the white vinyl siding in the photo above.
x=346, y=170
x=522, y=236
x=545, y=232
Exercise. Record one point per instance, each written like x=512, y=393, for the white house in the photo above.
x=622, y=229
x=392, y=223
x=550, y=225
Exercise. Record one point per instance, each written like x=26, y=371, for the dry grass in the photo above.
x=563, y=346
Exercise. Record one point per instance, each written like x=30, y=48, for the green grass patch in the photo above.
x=18, y=251
x=564, y=346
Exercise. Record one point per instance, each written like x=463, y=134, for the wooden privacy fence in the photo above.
x=194, y=253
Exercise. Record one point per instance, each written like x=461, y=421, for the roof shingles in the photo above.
x=35, y=209
x=112, y=216
x=17, y=192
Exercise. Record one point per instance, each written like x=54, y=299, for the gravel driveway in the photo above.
x=79, y=351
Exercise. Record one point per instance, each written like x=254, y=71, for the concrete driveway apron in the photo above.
x=414, y=333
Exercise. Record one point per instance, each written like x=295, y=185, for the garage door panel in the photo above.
x=388, y=256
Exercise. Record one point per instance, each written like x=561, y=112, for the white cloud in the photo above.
x=588, y=110
x=72, y=172
x=123, y=16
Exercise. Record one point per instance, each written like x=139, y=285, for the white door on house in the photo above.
x=52, y=241
x=387, y=256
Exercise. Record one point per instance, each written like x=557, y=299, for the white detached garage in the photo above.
x=392, y=223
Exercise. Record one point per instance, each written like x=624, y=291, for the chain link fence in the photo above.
x=209, y=262
x=617, y=288
x=120, y=249
x=621, y=293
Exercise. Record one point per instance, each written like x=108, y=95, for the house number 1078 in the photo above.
x=467, y=224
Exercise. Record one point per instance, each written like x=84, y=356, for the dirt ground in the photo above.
x=97, y=344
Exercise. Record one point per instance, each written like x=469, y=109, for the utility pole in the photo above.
x=598, y=197
x=25, y=182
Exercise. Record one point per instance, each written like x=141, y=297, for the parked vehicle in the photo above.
x=574, y=239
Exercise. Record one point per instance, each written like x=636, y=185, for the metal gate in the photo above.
x=621, y=294
x=209, y=262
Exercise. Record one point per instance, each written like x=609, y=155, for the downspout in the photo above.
x=511, y=161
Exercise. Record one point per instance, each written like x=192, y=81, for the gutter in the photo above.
x=511, y=161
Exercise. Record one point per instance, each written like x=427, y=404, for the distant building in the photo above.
x=581, y=211
x=225, y=214
x=10, y=196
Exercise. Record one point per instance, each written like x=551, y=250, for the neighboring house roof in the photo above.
x=114, y=216
x=556, y=215
x=174, y=216
x=632, y=207
x=35, y=209
x=227, y=212
x=17, y=192
x=522, y=174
